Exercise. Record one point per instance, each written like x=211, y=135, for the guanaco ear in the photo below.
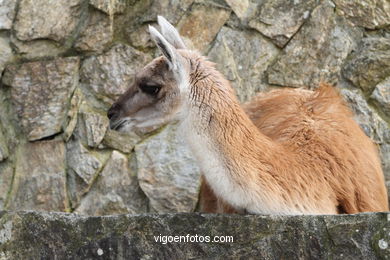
x=170, y=33
x=166, y=48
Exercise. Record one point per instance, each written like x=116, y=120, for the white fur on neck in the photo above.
x=211, y=161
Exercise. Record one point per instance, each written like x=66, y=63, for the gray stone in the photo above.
x=110, y=7
x=372, y=124
x=73, y=112
x=243, y=13
x=280, y=20
x=370, y=64
x=141, y=13
x=39, y=235
x=6, y=175
x=240, y=8
x=3, y=145
x=89, y=123
x=6, y=54
x=40, y=177
x=366, y=13
x=9, y=124
x=124, y=142
x=55, y=20
x=83, y=167
x=116, y=190
x=381, y=96
x=96, y=125
x=7, y=13
x=97, y=34
x=243, y=57
x=316, y=52
x=202, y=23
x=140, y=38
x=385, y=156
x=82, y=162
x=172, y=10
x=109, y=75
x=40, y=93
x=167, y=172
x=388, y=189
x=37, y=49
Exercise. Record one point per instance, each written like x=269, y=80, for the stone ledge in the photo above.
x=39, y=235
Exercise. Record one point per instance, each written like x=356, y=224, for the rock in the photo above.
x=6, y=176
x=385, y=156
x=3, y=146
x=89, y=123
x=167, y=172
x=96, y=126
x=116, y=190
x=370, y=64
x=40, y=177
x=243, y=13
x=7, y=13
x=372, y=124
x=381, y=96
x=140, y=38
x=40, y=93
x=83, y=168
x=38, y=235
x=124, y=142
x=280, y=20
x=172, y=10
x=202, y=24
x=72, y=116
x=109, y=75
x=135, y=18
x=316, y=52
x=12, y=133
x=243, y=57
x=110, y=7
x=368, y=14
x=37, y=49
x=97, y=34
x=6, y=54
x=40, y=19
x=240, y=8
x=82, y=162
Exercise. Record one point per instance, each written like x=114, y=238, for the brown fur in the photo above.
x=317, y=127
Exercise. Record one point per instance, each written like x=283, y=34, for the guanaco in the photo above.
x=287, y=151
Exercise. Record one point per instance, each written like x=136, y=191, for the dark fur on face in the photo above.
x=153, y=95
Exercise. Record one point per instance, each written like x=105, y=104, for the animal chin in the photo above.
x=127, y=127
x=148, y=126
x=132, y=125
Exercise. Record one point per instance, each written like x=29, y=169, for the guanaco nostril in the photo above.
x=111, y=112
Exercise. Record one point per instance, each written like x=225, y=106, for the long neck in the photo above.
x=219, y=116
x=238, y=161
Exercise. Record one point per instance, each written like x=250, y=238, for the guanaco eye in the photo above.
x=150, y=89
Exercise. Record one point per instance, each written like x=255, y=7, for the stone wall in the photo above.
x=41, y=235
x=64, y=62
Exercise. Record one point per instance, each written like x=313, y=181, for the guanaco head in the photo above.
x=159, y=89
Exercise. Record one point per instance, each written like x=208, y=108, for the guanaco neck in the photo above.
x=235, y=157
